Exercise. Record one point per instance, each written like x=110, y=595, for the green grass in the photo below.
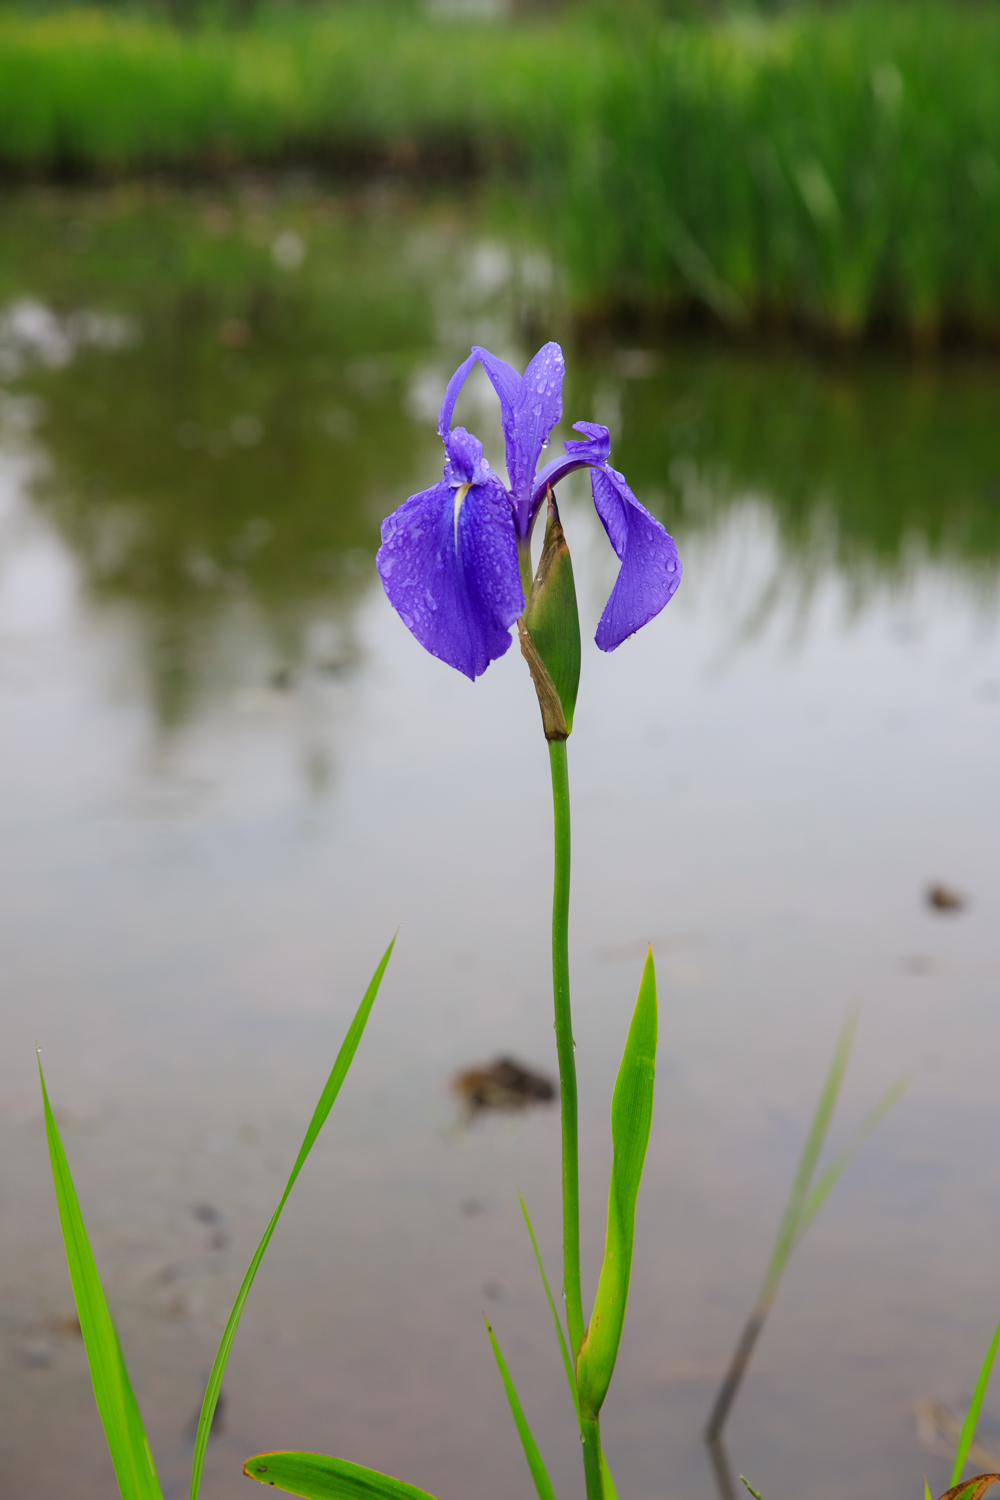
x=837, y=168
x=119, y=1411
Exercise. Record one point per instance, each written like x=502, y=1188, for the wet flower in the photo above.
x=453, y=557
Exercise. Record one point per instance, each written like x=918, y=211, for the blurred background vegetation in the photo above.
x=835, y=167
x=241, y=246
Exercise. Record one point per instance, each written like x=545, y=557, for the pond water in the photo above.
x=229, y=773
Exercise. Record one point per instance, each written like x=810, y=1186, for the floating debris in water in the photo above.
x=920, y=963
x=939, y=1429
x=941, y=897
x=36, y=1354
x=215, y=1219
x=502, y=1085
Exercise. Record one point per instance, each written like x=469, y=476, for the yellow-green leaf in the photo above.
x=631, y=1118
x=319, y=1477
x=333, y=1084
x=975, y=1407
x=119, y=1411
x=531, y=1451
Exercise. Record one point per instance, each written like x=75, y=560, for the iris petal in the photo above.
x=448, y=562
x=537, y=409
x=465, y=463
x=591, y=450
x=650, y=570
x=595, y=443
x=507, y=383
x=455, y=384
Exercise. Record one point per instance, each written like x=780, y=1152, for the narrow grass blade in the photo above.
x=119, y=1411
x=787, y=1234
x=828, y=1178
x=927, y=1490
x=631, y=1118
x=543, y=1484
x=318, y=1477
x=971, y=1489
x=610, y=1490
x=972, y=1419
x=754, y=1493
x=564, y=1347
x=344, y=1059
x=804, y=1202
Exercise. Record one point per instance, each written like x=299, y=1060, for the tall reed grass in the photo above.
x=839, y=168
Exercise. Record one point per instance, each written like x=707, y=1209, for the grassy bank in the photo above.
x=840, y=169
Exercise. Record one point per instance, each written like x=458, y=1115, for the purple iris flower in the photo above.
x=451, y=556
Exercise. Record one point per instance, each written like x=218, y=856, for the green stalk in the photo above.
x=590, y=1433
x=590, y=1427
x=565, y=1047
x=524, y=564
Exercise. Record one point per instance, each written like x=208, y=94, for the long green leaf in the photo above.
x=631, y=1118
x=543, y=1483
x=972, y=1418
x=344, y=1059
x=319, y=1477
x=610, y=1490
x=827, y=1179
x=119, y=1411
x=564, y=1347
x=788, y=1229
x=754, y=1493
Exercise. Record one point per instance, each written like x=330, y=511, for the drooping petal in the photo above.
x=537, y=409
x=448, y=562
x=650, y=570
x=455, y=384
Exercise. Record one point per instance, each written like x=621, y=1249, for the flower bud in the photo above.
x=550, y=631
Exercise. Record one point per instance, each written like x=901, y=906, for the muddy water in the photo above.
x=229, y=773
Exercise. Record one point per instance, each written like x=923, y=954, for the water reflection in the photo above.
x=868, y=466
x=186, y=930
x=229, y=391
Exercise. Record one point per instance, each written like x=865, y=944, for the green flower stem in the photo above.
x=590, y=1432
x=565, y=1047
x=524, y=564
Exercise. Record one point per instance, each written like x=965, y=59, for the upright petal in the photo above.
x=455, y=384
x=448, y=562
x=507, y=383
x=650, y=570
x=537, y=409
